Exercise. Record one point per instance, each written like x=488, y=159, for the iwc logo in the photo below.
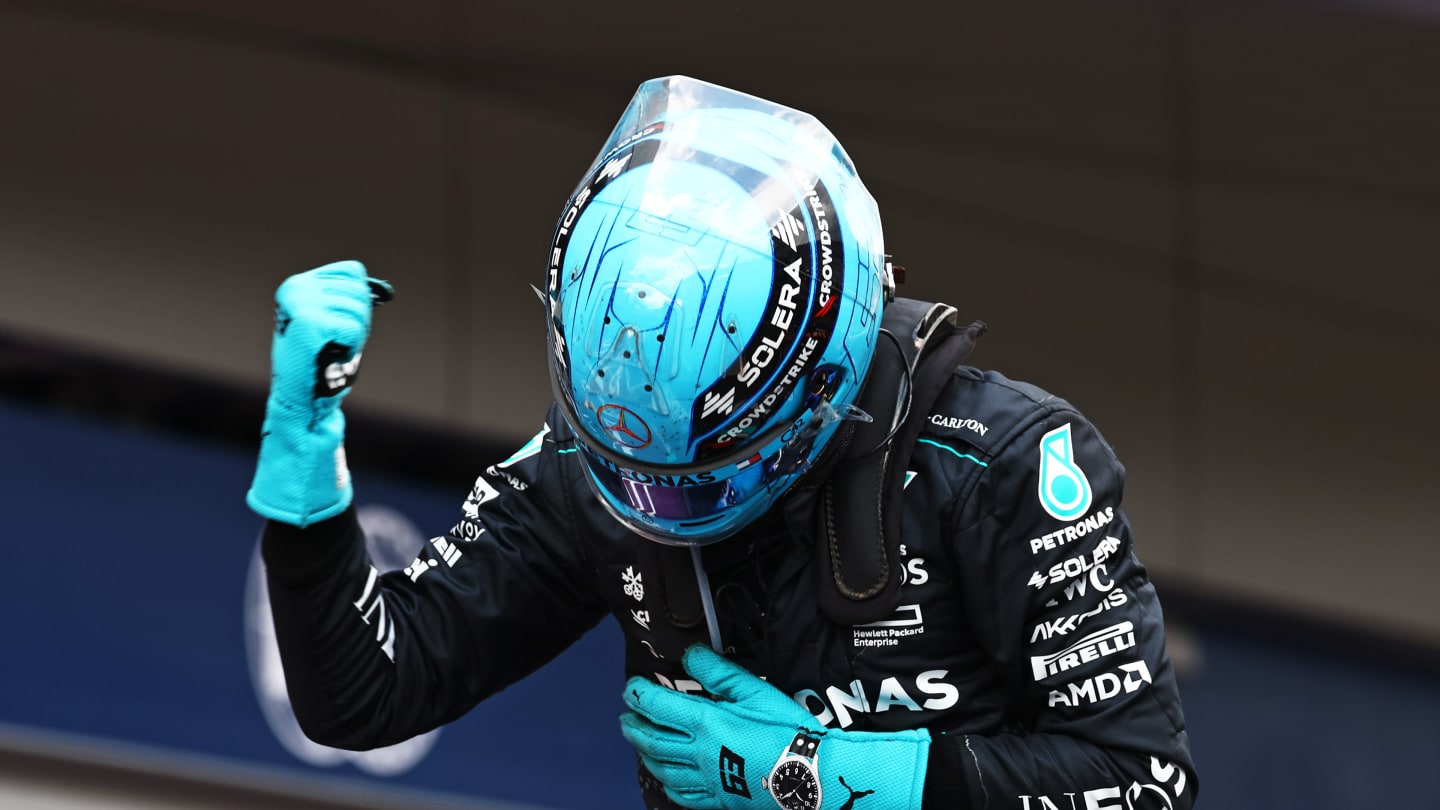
x=392, y=540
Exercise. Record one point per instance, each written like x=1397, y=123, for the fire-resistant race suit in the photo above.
x=1028, y=639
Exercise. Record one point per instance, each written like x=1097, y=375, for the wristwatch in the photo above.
x=794, y=782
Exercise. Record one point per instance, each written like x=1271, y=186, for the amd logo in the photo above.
x=1129, y=677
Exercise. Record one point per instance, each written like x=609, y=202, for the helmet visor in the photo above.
x=690, y=499
x=666, y=101
x=702, y=507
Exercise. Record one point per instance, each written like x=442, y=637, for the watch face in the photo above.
x=793, y=785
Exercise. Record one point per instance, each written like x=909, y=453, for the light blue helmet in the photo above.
x=714, y=294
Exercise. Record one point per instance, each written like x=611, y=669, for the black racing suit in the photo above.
x=1028, y=639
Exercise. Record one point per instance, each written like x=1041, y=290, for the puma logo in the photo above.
x=854, y=794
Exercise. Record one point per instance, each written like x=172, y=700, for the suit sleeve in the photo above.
x=372, y=658
x=1074, y=626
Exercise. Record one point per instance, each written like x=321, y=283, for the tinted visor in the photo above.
x=692, y=499
x=669, y=506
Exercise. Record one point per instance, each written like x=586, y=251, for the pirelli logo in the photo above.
x=1093, y=647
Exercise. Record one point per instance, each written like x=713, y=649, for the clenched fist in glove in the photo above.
x=751, y=747
x=322, y=318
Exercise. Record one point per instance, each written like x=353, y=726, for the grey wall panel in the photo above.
x=1311, y=138
x=1312, y=95
x=1317, y=478
x=156, y=190
x=1348, y=258
x=521, y=168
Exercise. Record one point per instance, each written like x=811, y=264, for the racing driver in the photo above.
x=851, y=570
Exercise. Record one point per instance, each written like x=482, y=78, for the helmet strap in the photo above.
x=858, y=514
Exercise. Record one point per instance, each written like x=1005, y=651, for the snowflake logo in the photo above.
x=634, y=588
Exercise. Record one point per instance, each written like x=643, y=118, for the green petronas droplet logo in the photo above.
x=1064, y=489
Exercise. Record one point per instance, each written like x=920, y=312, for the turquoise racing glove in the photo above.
x=751, y=747
x=322, y=318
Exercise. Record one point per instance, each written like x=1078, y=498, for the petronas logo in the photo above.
x=1064, y=489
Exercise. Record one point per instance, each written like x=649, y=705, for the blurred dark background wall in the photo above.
x=1210, y=225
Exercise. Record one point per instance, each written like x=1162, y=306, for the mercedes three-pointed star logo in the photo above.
x=626, y=428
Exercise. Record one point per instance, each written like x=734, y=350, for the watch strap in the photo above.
x=805, y=745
